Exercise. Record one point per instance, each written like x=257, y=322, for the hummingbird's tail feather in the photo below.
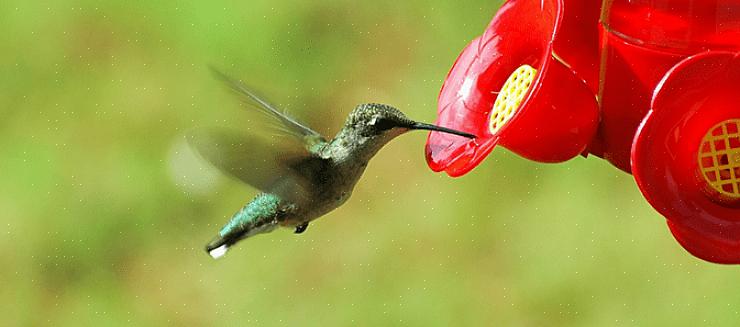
x=218, y=247
x=258, y=216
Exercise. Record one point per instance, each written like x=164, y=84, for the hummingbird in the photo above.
x=301, y=174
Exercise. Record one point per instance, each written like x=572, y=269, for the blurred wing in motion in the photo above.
x=277, y=165
x=284, y=123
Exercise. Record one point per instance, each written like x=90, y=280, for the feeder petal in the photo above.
x=557, y=115
x=641, y=41
x=674, y=156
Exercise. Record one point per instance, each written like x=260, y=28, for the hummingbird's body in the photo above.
x=305, y=181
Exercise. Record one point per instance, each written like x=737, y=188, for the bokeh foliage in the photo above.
x=104, y=211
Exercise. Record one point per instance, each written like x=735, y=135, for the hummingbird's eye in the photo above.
x=382, y=124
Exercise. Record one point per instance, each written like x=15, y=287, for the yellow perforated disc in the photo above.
x=511, y=96
x=719, y=158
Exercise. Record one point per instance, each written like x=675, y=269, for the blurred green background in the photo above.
x=105, y=212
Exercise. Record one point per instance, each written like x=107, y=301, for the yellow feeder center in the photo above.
x=719, y=158
x=511, y=96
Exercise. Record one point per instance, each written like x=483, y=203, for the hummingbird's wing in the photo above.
x=278, y=165
x=286, y=124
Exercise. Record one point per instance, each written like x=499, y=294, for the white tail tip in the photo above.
x=219, y=251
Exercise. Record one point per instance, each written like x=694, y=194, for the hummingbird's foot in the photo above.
x=301, y=228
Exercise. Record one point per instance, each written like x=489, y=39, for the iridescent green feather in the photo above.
x=264, y=207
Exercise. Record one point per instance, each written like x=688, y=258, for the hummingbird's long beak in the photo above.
x=430, y=127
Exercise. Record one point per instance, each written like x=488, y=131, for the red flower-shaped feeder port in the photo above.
x=530, y=83
x=686, y=154
x=508, y=88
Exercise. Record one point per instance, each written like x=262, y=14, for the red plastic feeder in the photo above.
x=671, y=68
x=533, y=118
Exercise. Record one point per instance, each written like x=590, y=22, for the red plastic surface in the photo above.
x=577, y=43
x=630, y=74
x=696, y=95
x=558, y=116
x=641, y=40
x=681, y=26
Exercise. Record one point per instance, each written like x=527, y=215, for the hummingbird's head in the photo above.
x=372, y=120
